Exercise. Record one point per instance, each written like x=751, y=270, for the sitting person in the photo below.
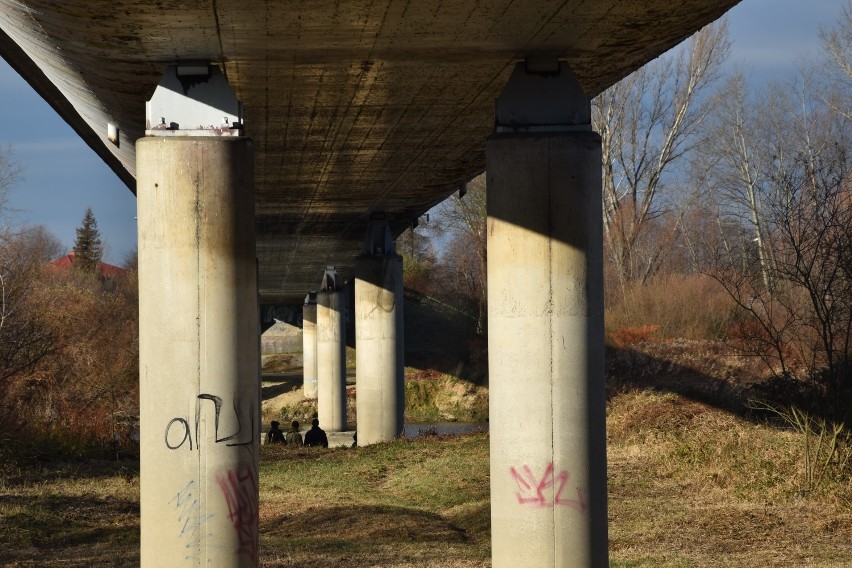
x=275, y=435
x=316, y=435
x=293, y=437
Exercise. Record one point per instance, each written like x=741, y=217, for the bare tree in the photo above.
x=68, y=344
x=837, y=42
x=739, y=157
x=811, y=212
x=781, y=175
x=463, y=220
x=419, y=258
x=648, y=123
x=24, y=339
x=10, y=174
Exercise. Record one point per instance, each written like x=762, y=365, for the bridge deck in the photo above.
x=355, y=106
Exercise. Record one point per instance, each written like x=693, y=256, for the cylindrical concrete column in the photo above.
x=309, y=349
x=545, y=350
x=331, y=360
x=198, y=351
x=379, y=348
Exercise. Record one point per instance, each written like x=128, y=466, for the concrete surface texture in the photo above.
x=379, y=355
x=355, y=107
x=283, y=339
x=309, y=350
x=331, y=360
x=545, y=350
x=198, y=351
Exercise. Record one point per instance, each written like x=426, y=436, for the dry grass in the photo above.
x=431, y=396
x=422, y=503
x=689, y=485
x=69, y=514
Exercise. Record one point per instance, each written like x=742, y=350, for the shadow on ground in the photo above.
x=62, y=530
x=283, y=383
x=354, y=526
x=710, y=373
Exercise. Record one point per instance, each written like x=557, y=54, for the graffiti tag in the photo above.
x=239, y=487
x=188, y=508
x=531, y=490
x=178, y=431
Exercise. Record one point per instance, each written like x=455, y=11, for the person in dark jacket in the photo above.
x=275, y=435
x=316, y=435
x=292, y=437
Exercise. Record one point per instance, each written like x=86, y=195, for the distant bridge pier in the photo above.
x=309, y=346
x=198, y=330
x=331, y=354
x=379, y=338
x=545, y=324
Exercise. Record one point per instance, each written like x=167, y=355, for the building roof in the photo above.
x=104, y=270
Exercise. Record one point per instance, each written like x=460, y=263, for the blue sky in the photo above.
x=63, y=176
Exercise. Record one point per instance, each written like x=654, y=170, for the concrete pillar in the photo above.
x=545, y=334
x=198, y=351
x=331, y=359
x=309, y=346
x=379, y=347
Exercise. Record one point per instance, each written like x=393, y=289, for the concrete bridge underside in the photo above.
x=354, y=106
x=359, y=116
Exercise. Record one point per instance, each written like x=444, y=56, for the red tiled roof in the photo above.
x=104, y=270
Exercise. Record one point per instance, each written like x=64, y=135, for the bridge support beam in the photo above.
x=331, y=355
x=199, y=351
x=545, y=325
x=309, y=346
x=379, y=338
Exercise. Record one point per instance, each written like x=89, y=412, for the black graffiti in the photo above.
x=231, y=439
x=186, y=435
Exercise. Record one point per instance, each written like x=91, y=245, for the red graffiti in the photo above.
x=531, y=491
x=239, y=486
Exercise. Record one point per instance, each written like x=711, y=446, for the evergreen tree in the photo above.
x=88, y=248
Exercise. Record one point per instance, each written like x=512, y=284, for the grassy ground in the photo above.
x=408, y=503
x=689, y=485
x=430, y=396
x=61, y=514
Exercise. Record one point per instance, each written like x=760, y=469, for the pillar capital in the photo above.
x=331, y=280
x=379, y=240
x=542, y=96
x=193, y=100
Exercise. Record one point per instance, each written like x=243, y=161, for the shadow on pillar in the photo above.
x=545, y=325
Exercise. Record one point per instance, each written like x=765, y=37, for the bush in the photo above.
x=690, y=306
x=84, y=393
x=629, y=336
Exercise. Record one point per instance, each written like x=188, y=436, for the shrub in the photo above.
x=688, y=306
x=628, y=336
